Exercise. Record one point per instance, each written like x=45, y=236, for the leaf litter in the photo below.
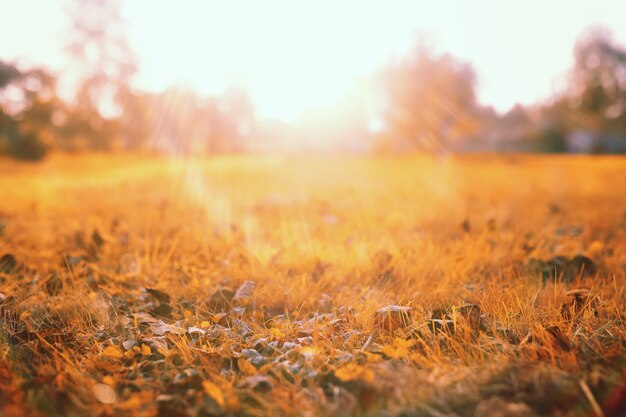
x=215, y=330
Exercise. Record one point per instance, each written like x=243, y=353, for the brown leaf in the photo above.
x=471, y=313
x=497, y=407
x=157, y=342
x=245, y=291
x=162, y=310
x=215, y=392
x=160, y=328
x=221, y=300
x=196, y=330
x=159, y=295
x=144, y=318
x=259, y=383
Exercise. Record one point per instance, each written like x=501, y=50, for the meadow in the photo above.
x=323, y=285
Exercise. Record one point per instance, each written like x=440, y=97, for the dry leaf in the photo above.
x=161, y=328
x=196, y=330
x=353, y=372
x=136, y=401
x=113, y=352
x=109, y=380
x=398, y=349
x=246, y=367
x=245, y=291
x=159, y=295
x=214, y=392
x=259, y=383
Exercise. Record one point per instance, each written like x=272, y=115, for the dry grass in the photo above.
x=327, y=242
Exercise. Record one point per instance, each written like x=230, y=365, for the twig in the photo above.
x=367, y=342
x=591, y=398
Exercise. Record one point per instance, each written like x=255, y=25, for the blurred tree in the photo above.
x=595, y=100
x=431, y=103
x=106, y=108
x=598, y=79
x=231, y=121
x=28, y=102
x=184, y=122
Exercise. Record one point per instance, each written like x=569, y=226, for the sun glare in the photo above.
x=293, y=58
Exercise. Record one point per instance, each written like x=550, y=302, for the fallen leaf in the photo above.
x=144, y=318
x=214, y=392
x=157, y=342
x=136, y=401
x=353, y=372
x=195, y=330
x=129, y=344
x=245, y=291
x=161, y=328
x=162, y=310
x=471, y=313
x=398, y=349
x=113, y=352
x=259, y=383
x=159, y=295
x=246, y=367
x=145, y=350
x=498, y=407
x=220, y=300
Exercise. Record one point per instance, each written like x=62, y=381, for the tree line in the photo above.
x=426, y=101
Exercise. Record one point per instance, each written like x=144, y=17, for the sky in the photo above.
x=296, y=56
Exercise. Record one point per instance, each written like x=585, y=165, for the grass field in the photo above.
x=410, y=286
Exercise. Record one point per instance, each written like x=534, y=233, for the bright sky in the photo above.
x=295, y=56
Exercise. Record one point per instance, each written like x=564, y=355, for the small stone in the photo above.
x=104, y=393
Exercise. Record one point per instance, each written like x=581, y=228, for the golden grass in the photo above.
x=327, y=242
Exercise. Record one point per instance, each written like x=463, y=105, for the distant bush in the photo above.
x=27, y=147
